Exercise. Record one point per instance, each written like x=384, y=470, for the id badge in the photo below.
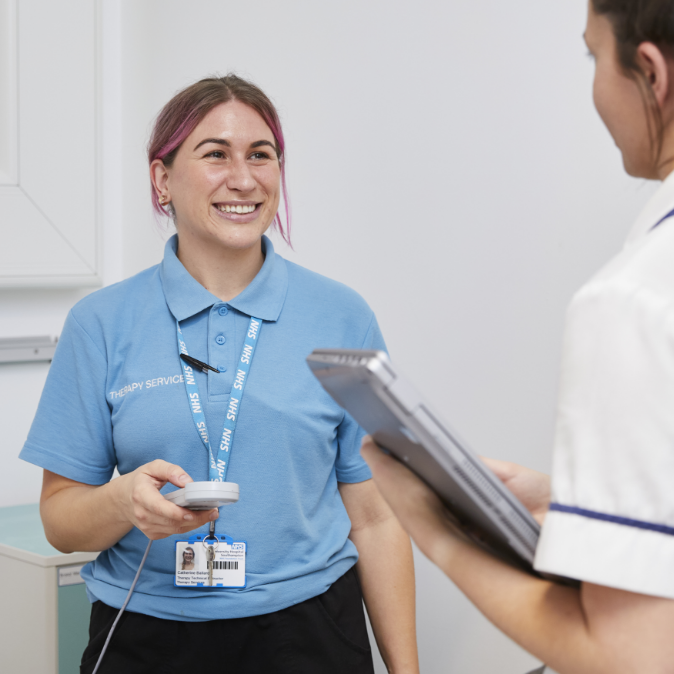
x=210, y=562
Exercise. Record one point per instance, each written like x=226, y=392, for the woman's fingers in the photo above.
x=529, y=486
x=201, y=517
x=151, y=512
x=163, y=529
x=160, y=516
x=504, y=470
x=163, y=472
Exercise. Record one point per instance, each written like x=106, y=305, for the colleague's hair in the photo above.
x=188, y=107
x=634, y=22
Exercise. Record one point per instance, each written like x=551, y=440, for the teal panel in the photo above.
x=21, y=527
x=74, y=611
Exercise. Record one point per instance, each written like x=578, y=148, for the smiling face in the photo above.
x=224, y=184
x=618, y=99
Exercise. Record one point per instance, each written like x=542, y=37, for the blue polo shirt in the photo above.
x=115, y=397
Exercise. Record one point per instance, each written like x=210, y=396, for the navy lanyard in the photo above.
x=219, y=462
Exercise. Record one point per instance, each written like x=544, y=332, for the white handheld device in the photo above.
x=204, y=495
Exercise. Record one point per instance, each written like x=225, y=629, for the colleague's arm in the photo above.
x=386, y=572
x=591, y=630
x=83, y=517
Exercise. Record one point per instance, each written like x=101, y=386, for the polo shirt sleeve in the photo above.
x=350, y=465
x=71, y=434
x=611, y=520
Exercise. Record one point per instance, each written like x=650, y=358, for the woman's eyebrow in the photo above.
x=222, y=141
x=217, y=141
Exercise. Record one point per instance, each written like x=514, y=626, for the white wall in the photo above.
x=444, y=159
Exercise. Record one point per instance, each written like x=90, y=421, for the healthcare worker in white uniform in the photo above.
x=609, y=513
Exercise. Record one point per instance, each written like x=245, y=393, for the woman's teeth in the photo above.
x=236, y=209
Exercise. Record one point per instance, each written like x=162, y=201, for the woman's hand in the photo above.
x=529, y=486
x=141, y=503
x=424, y=516
x=84, y=517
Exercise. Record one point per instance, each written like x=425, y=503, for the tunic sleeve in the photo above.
x=71, y=434
x=611, y=520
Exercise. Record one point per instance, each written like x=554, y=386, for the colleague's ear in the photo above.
x=655, y=67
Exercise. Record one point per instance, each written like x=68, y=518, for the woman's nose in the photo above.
x=239, y=177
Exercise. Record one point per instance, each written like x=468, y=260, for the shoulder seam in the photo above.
x=625, y=288
x=367, y=332
x=79, y=325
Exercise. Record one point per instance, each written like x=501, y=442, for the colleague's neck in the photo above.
x=665, y=167
x=224, y=272
x=666, y=162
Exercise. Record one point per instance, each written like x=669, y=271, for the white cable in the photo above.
x=121, y=610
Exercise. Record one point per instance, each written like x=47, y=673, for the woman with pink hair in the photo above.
x=145, y=373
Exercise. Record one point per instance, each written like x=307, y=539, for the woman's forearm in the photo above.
x=80, y=517
x=386, y=572
x=545, y=618
x=591, y=630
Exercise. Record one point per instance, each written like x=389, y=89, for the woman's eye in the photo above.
x=258, y=156
x=216, y=154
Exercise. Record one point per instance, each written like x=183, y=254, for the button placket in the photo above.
x=220, y=344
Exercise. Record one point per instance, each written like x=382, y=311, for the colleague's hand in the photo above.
x=529, y=486
x=424, y=516
x=141, y=503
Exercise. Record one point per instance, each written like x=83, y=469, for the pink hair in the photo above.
x=187, y=108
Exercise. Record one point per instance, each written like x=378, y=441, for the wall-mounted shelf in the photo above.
x=25, y=349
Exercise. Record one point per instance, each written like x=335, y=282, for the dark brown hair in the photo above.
x=188, y=107
x=634, y=22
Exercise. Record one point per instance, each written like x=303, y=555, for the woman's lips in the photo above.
x=233, y=216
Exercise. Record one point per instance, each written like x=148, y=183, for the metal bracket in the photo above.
x=26, y=349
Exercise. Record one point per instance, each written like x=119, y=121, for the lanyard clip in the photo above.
x=211, y=533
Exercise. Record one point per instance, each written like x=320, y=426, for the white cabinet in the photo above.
x=49, y=143
x=44, y=616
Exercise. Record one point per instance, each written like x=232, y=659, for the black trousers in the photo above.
x=323, y=635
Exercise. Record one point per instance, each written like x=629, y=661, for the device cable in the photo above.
x=121, y=610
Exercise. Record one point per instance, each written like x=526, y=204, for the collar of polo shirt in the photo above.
x=263, y=298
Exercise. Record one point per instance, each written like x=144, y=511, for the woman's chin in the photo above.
x=239, y=238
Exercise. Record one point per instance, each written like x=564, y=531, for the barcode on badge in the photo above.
x=227, y=566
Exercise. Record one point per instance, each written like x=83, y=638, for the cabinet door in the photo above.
x=74, y=611
x=49, y=234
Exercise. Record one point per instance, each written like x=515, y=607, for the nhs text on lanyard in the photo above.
x=219, y=462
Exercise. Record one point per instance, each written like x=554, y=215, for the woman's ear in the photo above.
x=654, y=65
x=159, y=176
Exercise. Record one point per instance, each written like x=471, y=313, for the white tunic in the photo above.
x=611, y=520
